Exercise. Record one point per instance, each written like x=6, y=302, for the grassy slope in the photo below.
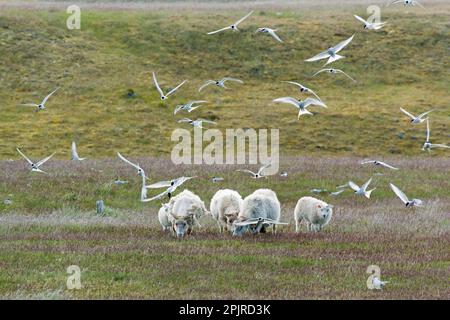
x=51, y=224
x=404, y=65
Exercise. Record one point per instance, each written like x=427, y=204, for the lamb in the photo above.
x=184, y=211
x=315, y=212
x=163, y=217
x=259, y=210
x=225, y=207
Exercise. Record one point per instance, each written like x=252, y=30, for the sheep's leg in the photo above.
x=297, y=225
x=274, y=229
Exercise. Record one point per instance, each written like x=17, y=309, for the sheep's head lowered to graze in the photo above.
x=231, y=217
x=182, y=224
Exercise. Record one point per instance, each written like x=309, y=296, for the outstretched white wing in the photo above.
x=312, y=101
x=206, y=121
x=49, y=95
x=395, y=2
x=343, y=44
x=160, y=184
x=384, y=164
x=365, y=185
x=399, y=193
x=360, y=19
x=247, y=171
x=178, y=182
x=418, y=3
x=231, y=79
x=243, y=18
x=24, y=156
x=207, y=83
x=263, y=168
x=74, y=151
x=274, y=35
x=176, y=88
x=129, y=162
x=161, y=93
x=407, y=113
x=438, y=145
x=353, y=185
x=320, y=56
x=340, y=71
x=320, y=71
x=40, y=163
x=288, y=100
x=424, y=114
x=159, y=196
x=220, y=30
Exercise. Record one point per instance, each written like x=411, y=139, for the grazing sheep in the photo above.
x=184, y=211
x=225, y=207
x=163, y=217
x=260, y=209
x=315, y=212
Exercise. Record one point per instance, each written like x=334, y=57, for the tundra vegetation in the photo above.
x=49, y=221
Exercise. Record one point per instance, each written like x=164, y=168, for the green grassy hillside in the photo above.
x=404, y=65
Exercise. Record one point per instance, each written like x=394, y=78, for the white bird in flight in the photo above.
x=362, y=191
x=416, y=119
x=189, y=107
x=198, y=123
x=331, y=53
x=75, y=156
x=233, y=26
x=370, y=25
x=406, y=3
x=140, y=172
x=428, y=145
x=161, y=93
x=404, y=198
x=301, y=105
x=171, y=186
x=336, y=193
x=333, y=71
x=41, y=106
x=379, y=163
x=259, y=174
x=304, y=89
x=270, y=32
x=220, y=83
x=34, y=166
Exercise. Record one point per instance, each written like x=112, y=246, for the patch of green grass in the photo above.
x=116, y=51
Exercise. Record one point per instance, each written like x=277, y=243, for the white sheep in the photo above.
x=225, y=207
x=163, y=217
x=315, y=212
x=261, y=206
x=184, y=211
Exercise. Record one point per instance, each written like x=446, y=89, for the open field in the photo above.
x=51, y=222
x=124, y=254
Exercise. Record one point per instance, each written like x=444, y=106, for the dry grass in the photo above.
x=125, y=254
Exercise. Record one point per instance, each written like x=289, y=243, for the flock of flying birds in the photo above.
x=331, y=54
